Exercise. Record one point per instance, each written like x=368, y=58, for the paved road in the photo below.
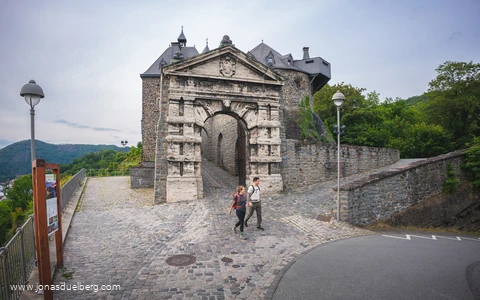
x=118, y=237
x=397, y=266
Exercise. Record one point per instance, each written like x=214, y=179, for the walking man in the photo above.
x=254, y=203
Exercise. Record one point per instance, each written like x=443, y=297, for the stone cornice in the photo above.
x=184, y=138
x=265, y=159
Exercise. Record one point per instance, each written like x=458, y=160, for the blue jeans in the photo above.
x=241, y=217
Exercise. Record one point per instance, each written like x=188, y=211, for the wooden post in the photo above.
x=41, y=229
x=58, y=234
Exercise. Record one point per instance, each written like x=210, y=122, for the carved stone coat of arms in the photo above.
x=227, y=66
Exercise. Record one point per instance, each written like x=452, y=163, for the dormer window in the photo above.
x=270, y=58
x=289, y=62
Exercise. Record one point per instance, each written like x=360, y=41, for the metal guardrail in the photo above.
x=17, y=259
x=106, y=172
x=69, y=188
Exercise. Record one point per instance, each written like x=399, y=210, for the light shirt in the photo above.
x=255, y=191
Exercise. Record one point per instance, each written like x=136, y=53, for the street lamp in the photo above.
x=32, y=94
x=338, y=99
x=124, y=143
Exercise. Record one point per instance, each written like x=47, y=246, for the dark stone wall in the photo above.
x=150, y=114
x=305, y=163
x=382, y=195
x=142, y=177
x=460, y=210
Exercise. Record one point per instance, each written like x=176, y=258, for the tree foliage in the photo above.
x=472, y=162
x=21, y=192
x=306, y=120
x=441, y=120
x=15, y=159
x=5, y=220
x=454, y=101
x=109, y=160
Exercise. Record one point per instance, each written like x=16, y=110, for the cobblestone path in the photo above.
x=118, y=237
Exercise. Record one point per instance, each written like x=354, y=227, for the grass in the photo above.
x=380, y=226
x=65, y=274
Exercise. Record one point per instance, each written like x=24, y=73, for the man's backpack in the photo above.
x=253, y=188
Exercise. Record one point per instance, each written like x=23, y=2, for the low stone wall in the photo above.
x=142, y=176
x=381, y=195
x=306, y=163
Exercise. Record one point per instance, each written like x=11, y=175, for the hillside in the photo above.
x=15, y=158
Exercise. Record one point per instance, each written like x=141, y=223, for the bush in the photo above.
x=452, y=182
x=472, y=163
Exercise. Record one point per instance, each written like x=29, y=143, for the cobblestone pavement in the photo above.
x=118, y=237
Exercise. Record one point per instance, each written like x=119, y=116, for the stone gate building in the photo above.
x=231, y=107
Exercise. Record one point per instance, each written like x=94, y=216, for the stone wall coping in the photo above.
x=142, y=167
x=381, y=175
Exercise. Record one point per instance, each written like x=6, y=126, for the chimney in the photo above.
x=305, y=53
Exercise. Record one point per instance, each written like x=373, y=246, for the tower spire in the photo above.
x=182, y=39
x=206, y=49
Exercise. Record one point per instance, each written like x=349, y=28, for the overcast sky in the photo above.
x=88, y=55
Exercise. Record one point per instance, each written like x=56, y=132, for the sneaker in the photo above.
x=235, y=229
x=242, y=237
x=246, y=225
x=260, y=228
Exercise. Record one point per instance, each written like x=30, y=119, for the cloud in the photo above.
x=74, y=125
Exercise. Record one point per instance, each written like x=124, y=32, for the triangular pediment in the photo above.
x=226, y=63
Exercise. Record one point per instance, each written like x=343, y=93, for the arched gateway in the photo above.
x=224, y=80
x=186, y=95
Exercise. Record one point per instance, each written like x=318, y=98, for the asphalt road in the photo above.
x=381, y=267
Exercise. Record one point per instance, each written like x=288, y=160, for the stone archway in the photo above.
x=196, y=89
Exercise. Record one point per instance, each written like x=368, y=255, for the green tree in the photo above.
x=454, y=100
x=5, y=220
x=21, y=192
x=326, y=109
x=472, y=162
x=306, y=120
x=422, y=140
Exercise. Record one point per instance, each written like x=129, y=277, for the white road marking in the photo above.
x=434, y=237
x=448, y=238
x=397, y=237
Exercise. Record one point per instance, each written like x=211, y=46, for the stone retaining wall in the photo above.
x=306, y=163
x=142, y=176
x=381, y=195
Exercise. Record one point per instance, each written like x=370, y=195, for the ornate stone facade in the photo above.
x=200, y=88
x=225, y=106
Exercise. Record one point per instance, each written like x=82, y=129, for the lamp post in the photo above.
x=32, y=94
x=338, y=99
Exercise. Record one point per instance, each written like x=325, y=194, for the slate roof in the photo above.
x=311, y=66
x=167, y=57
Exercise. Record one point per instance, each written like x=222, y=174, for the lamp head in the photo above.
x=338, y=98
x=32, y=93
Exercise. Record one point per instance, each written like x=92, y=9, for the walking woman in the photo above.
x=240, y=200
